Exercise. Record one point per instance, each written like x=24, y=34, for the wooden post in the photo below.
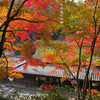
x=51, y=81
x=47, y=79
x=59, y=81
x=37, y=81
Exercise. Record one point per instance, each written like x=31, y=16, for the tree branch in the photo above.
x=32, y=21
x=13, y=30
x=92, y=51
x=11, y=45
x=12, y=3
x=6, y=23
x=68, y=68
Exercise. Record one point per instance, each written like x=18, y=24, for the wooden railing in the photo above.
x=24, y=83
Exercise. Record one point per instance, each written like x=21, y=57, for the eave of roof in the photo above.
x=45, y=71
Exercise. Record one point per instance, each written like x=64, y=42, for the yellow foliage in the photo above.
x=64, y=78
x=15, y=74
x=6, y=71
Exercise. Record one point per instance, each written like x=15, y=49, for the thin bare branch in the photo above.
x=13, y=30
x=68, y=68
x=11, y=45
x=92, y=50
x=32, y=21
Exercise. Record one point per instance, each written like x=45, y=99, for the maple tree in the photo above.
x=20, y=18
x=82, y=30
x=38, y=17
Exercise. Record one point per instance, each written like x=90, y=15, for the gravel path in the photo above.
x=8, y=90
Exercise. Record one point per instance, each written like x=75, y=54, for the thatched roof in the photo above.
x=41, y=51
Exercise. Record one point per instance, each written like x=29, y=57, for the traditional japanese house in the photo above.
x=36, y=76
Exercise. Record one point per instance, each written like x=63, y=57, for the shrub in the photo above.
x=54, y=93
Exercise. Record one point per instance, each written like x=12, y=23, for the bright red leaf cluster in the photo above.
x=93, y=91
x=48, y=87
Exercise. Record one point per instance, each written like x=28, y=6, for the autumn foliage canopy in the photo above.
x=23, y=26
x=27, y=24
